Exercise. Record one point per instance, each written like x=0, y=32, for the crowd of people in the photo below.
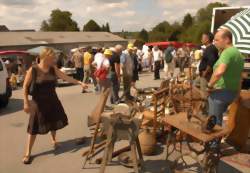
x=104, y=66
x=217, y=68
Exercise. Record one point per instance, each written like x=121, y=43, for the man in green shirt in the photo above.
x=225, y=82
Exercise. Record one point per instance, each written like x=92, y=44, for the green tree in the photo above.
x=103, y=28
x=44, y=26
x=157, y=36
x=201, y=24
x=59, y=21
x=161, y=32
x=162, y=27
x=175, y=31
x=91, y=25
x=206, y=13
x=143, y=35
x=107, y=27
x=187, y=20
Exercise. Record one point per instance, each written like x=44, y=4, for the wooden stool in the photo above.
x=121, y=128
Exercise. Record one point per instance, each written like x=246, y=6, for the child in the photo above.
x=13, y=81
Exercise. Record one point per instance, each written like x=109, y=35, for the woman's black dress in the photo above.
x=46, y=111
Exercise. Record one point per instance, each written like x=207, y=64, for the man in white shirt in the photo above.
x=99, y=60
x=157, y=55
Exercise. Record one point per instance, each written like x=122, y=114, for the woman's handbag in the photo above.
x=32, y=85
x=101, y=73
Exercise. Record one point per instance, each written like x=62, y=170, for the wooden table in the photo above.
x=192, y=130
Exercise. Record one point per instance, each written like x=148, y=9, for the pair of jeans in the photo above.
x=157, y=65
x=79, y=74
x=127, y=81
x=218, y=101
x=115, y=87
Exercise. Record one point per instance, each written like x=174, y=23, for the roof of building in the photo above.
x=43, y=38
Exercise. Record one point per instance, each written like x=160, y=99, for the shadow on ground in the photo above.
x=14, y=105
x=64, y=147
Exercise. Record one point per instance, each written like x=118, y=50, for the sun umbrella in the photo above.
x=37, y=50
x=239, y=25
x=13, y=52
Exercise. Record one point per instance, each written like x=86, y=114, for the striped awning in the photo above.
x=239, y=25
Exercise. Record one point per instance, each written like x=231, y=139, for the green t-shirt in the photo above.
x=235, y=64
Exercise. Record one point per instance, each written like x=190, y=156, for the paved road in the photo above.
x=13, y=124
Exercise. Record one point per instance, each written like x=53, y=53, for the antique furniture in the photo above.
x=118, y=126
x=94, y=121
x=155, y=116
x=206, y=156
x=239, y=121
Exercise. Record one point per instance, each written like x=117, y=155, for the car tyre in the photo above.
x=4, y=102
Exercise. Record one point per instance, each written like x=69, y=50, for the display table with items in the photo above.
x=202, y=147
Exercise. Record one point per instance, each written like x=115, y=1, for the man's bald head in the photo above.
x=118, y=48
x=226, y=34
x=223, y=38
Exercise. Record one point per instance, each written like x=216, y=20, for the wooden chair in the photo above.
x=164, y=84
x=95, y=115
x=155, y=116
x=94, y=121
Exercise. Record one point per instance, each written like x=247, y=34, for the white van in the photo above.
x=5, y=88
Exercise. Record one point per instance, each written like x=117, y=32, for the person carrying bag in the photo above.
x=102, y=71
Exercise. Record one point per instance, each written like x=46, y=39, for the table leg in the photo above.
x=134, y=157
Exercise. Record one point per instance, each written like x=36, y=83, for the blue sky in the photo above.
x=129, y=15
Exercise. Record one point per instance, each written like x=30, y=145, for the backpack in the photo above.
x=168, y=54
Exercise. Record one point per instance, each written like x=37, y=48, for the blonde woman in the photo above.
x=45, y=109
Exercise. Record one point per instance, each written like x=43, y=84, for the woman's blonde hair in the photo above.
x=46, y=52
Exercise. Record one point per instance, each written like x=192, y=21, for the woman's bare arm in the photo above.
x=67, y=78
x=26, y=84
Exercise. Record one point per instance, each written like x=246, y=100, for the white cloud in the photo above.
x=124, y=14
x=172, y=16
x=113, y=5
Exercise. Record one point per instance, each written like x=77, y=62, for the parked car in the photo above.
x=68, y=71
x=5, y=88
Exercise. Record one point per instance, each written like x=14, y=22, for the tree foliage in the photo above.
x=107, y=28
x=191, y=28
x=201, y=24
x=143, y=35
x=187, y=21
x=59, y=21
x=91, y=25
